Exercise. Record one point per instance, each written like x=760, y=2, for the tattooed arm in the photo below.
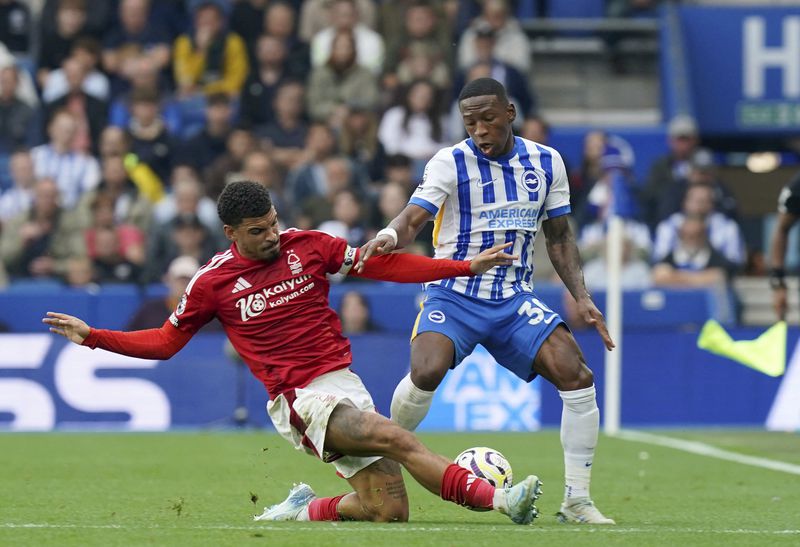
x=563, y=253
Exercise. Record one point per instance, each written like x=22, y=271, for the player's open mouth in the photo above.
x=486, y=147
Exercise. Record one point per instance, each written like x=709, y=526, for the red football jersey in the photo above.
x=276, y=314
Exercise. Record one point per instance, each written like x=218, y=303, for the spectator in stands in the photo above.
x=511, y=44
x=347, y=219
x=114, y=142
x=315, y=16
x=209, y=59
x=153, y=312
x=75, y=172
x=129, y=205
x=145, y=79
x=724, y=234
x=702, y=171
x=247, y=20
x=422, y=39
x=354, y=314
x=259, y=166
x=17, y=119
x=89, y=112
x=635, y=274
x=15, y=27
x=337, y=175
x=358, y=139
x=309, y=178
x=279, y=21
x=344, y=18
x=187, y=199
x=56, y=41
x=285, y=137
x=137, y=37
x=615, y=187
x=399, y=168
x=114, y=244
x=17, y=199
x=339, y=81
x=269, y=71
x=416, y=127
x=148, y=133
x=489, y=64
x=38, y=243
x=97, y=17
x=536, y=129
x=671, y=169
x=79, y=273
x=228, y=166
x=109, y=265
x=85, y=50
x=183, y=235
x=202, y=149
x=693, y=261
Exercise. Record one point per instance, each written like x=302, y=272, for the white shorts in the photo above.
x=301, y=416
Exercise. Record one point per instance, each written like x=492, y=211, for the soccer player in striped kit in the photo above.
x=490, y=188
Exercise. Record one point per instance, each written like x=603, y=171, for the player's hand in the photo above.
x=779, y=302
x=381, y=245
x=491, y=257
x=589, y=313
x=67, y=326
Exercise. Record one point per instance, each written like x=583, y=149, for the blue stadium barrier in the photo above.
x=666, y=381
x=576, y=8
x=393, y=307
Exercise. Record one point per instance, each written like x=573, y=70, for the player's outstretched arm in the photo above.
x=161, y=343
x=400, y=232
x=407, y=268
x=777, y=261
x=566, y=259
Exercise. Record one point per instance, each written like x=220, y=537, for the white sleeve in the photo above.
x=438, y=182
x=557, y=201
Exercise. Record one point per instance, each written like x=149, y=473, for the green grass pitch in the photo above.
x=203, y=488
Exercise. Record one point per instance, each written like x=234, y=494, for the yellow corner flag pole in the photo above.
x=766, y=354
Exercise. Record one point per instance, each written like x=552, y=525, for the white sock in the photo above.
x=303, y=514
x=410, y=404
x=580, y=424
x=499, y=501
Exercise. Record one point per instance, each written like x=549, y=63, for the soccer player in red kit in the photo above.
x=270, y=292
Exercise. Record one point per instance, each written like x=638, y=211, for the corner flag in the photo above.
x=766, y=354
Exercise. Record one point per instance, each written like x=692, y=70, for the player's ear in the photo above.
x=230, y=233
x=511, y=111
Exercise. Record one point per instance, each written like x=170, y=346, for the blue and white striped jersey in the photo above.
x=480, y=201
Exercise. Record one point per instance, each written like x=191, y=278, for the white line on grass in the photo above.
x=401, y=528
x=704, y=449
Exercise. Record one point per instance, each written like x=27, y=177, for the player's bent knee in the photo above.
x=581, y=379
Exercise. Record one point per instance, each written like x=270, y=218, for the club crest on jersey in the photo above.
x=532, y=180
x=181, y=305
x=294, y=263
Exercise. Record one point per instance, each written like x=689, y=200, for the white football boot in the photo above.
x=520, y=499
x=582, y=511
x=289, y=509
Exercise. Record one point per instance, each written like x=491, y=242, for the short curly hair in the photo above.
x=243, y=199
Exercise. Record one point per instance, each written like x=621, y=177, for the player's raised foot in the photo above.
x=290, y=508
x=520, y=499
x=582, y=511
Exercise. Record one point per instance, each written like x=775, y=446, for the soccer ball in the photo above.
x=487, y=463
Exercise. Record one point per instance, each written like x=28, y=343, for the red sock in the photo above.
x=324, y=508
x=462, y=487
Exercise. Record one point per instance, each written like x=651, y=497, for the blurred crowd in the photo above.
x=121, y=122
